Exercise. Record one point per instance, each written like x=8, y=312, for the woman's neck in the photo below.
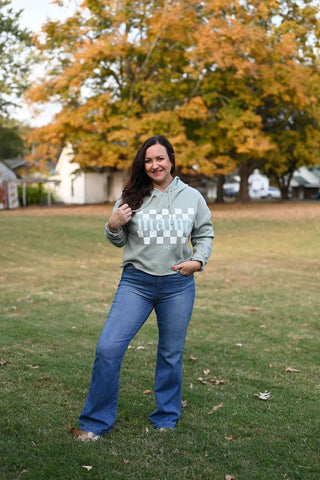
x=162, y=187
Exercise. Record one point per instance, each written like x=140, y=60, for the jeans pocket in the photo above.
x=130, y=268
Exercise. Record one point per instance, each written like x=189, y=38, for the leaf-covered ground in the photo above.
x=251, y=364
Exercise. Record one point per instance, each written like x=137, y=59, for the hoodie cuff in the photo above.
x=198, y=260
x=110, y=232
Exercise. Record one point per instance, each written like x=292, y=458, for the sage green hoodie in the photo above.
x=159, y=234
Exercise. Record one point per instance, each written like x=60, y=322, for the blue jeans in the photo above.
x=172, y=297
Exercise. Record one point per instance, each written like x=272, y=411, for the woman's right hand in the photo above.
x=120, y=217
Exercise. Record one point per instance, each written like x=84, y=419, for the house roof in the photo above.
x=309, y=178
x=299, y=180
x=6, y=173
x=316, y=172
x=14, y=163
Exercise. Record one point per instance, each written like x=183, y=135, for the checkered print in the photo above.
x=165, y=228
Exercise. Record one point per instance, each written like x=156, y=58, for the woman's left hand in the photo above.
x=187, y=268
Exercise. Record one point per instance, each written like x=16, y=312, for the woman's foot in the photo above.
x=87, y=436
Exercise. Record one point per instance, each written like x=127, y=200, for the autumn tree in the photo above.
x=260, y=83
x=295, y=124
x=231, y=82
x=120, y=72
x=14, y=68
x=297, y=144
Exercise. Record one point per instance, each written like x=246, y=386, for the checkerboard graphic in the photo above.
x=165, y=227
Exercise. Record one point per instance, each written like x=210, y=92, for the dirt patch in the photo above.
x=273, y=211
x=100, y=210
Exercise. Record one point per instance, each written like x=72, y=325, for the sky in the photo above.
x=35, y=13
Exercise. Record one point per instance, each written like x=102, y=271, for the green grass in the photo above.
x=260, y=289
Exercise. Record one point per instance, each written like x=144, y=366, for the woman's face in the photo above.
x=158, y=166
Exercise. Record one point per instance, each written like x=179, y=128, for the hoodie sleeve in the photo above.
x=117, y=239
x=202, y=233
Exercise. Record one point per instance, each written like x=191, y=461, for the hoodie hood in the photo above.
x=169, y=194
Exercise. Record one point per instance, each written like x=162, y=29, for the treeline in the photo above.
x=233, y=84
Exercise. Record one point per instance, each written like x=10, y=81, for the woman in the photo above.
x=154, y=219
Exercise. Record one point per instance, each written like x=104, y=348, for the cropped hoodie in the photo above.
x=159, y=234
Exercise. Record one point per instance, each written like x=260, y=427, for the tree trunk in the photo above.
x=244, y=172
x=284, y=184
x=221, y=179
x=284, y=192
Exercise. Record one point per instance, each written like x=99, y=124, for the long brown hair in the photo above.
x=139, y=184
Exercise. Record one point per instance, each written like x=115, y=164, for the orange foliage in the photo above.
x=212, y=76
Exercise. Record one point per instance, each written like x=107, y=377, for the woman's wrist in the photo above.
x=112, y=229
x=198, y=262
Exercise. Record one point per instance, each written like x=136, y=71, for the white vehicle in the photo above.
x=270, y=192
x=273, y=192
x=258, y=193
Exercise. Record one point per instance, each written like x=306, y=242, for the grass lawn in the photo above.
x=255, y=328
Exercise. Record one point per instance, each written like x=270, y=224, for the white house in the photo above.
x=79, y=187
x=305, y=183
x=8, y=188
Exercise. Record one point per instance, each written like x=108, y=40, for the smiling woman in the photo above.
x=158, y=166
x=154, y=220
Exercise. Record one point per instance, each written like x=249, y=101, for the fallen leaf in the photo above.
x=216, y=407
x=73, y=430
x=146, y=392
x=263, y=395
x=192, y=357
x=184, y=403
x=217, y=382
x=230, y=438
x=291, y=370
x=254, y=309
x=3, y=362
x=206, y=371
x=130, y=347
x=262, y=326
x=239, y=344
x=230, y=477
x=46, y=379
x=33, y=366
x=200, y=379
x=87, y=467
x=140, y=347
x=191, y=386
x=125, y=460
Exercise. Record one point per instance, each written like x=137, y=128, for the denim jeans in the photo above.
x=172, y=297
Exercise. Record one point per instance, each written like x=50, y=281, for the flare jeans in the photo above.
x=138, y=293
